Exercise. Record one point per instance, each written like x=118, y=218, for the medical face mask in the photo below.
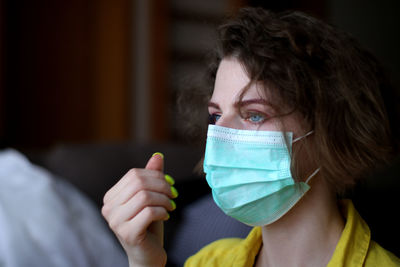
x=249, y=174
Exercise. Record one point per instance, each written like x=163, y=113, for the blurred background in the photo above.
x=88, y=90
x=85, y=71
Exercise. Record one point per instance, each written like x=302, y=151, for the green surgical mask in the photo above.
x=249, y=174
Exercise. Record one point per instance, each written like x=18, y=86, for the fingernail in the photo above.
x=174, y=192
x=173, y=204
x=158, y=153
x=168, y=217
x=169, y=179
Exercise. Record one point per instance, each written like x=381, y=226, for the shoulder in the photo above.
x=228, y=252
x=378, y=256
x=215, y=254
x=355, y=247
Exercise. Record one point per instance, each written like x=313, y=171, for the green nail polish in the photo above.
x=173, y=204
x=174, y=192
x=169, y=179
x=168, y=216
x=158, y=153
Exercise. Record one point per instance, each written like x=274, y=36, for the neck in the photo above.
x=307, y=235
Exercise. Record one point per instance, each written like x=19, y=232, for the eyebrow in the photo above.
x=213, y=104
x=239, y=104
x=259, y=101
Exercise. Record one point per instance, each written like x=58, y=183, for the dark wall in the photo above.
x=375, y=24
x=65, y=71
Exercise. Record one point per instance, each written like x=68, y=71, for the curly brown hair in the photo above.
x=326, y=76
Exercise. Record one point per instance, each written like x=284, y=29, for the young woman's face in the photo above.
x=253, y=111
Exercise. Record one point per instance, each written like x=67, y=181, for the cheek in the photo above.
x=272, y=124
x=294, y=123
x=268, y=127
x=303, y=161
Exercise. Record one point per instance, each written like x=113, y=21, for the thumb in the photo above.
x=156, y=162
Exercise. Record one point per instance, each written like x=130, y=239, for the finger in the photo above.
x=142, y=180
x=129, y=179
x=136, y=204
x=134, y=231
x=156, y=162
x=113, y=191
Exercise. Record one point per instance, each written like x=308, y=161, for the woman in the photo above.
x=299, y=118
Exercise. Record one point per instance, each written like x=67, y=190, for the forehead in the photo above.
x=230, y=81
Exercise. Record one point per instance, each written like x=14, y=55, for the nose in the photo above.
x=228, y=121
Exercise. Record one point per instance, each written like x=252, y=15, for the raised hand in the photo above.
x=135, y=209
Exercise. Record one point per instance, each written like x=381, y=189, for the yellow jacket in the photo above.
x=355, y=248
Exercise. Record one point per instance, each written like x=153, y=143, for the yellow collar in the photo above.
x=353, y=244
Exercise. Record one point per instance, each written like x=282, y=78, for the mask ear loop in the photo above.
x=301, y=137
x=312, y=175
x=317, y=170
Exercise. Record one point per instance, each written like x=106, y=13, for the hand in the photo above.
x=135, y=209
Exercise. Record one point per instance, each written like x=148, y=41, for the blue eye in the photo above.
x=213, y=118
x=255, y=118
